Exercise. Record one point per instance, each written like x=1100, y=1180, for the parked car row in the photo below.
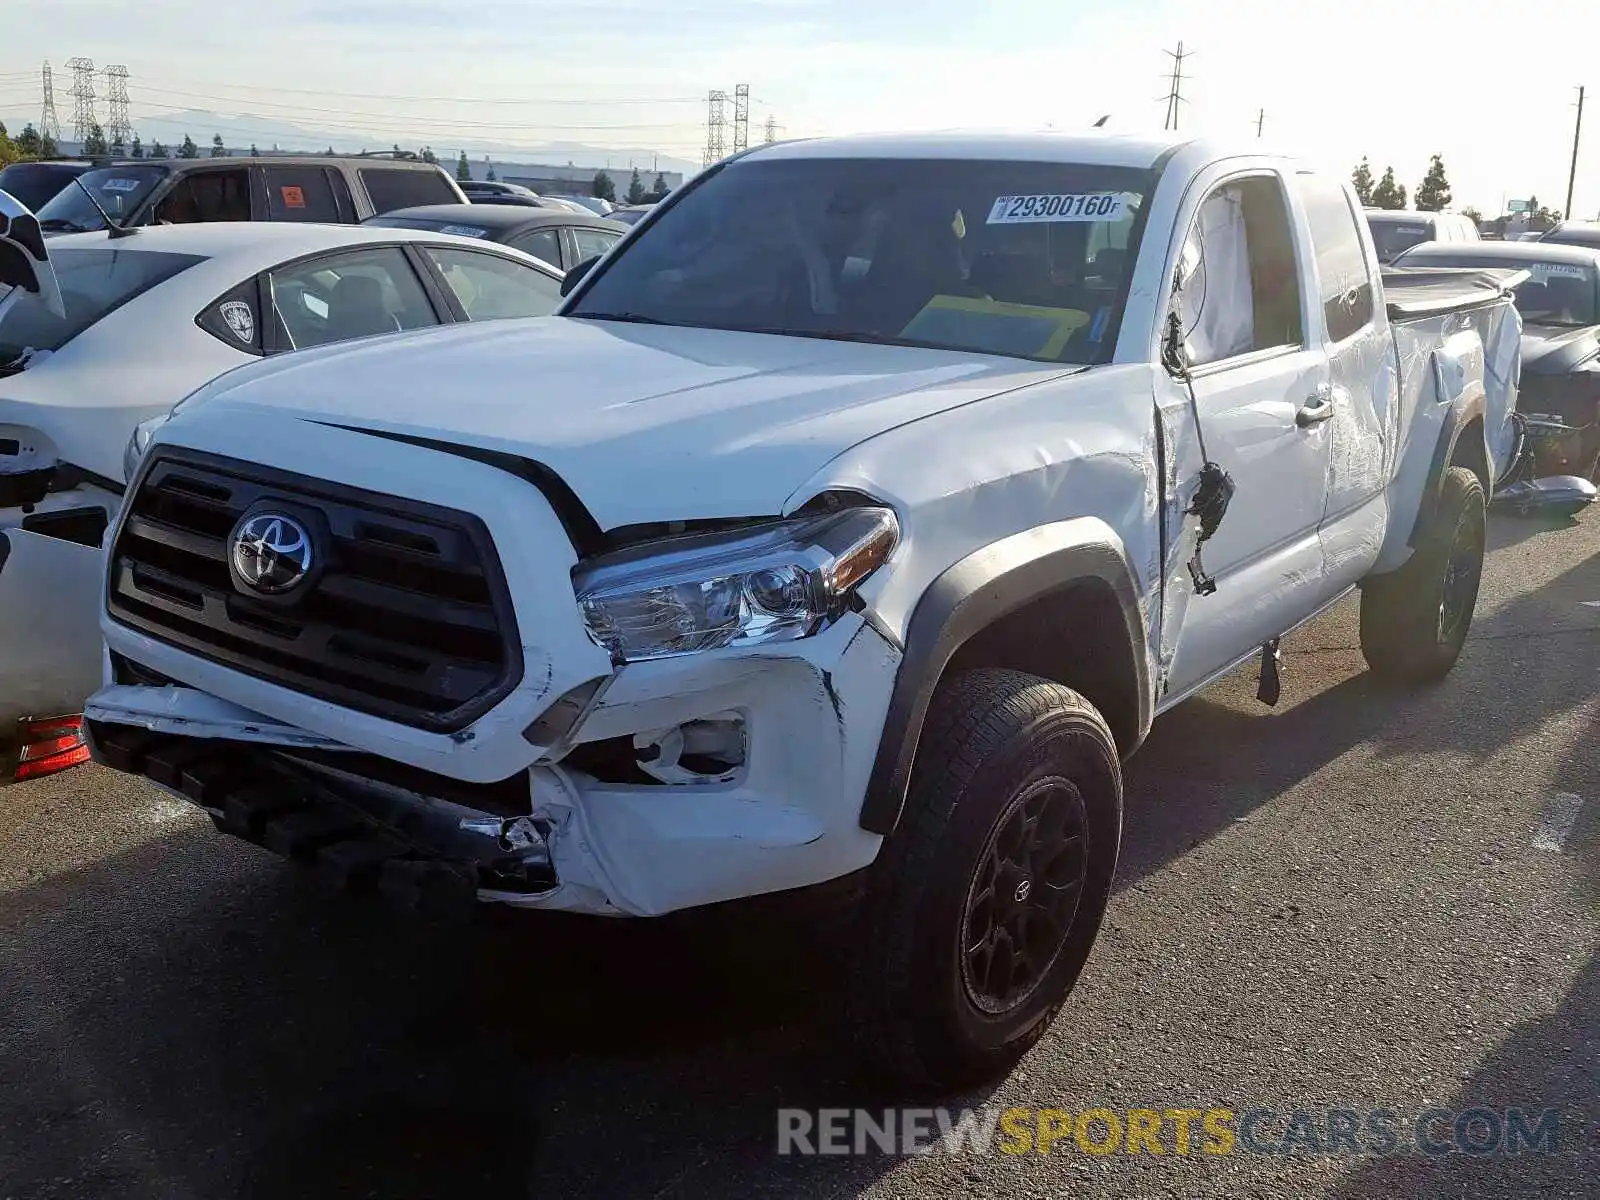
x=843, y=556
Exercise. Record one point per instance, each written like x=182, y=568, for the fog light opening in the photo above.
x=704, y=751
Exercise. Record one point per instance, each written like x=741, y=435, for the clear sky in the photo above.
x=1491, y=90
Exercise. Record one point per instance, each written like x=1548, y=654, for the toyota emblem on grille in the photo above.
x=271, y=552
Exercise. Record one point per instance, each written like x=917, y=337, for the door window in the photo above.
x=358, y=294
x=1240, y=283
x=542, y=244
x=222, y=195
x=593, y=242
x=300, y=194
x=1344, y=282
x=491, y=287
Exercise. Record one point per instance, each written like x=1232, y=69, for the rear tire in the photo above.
x=986, y=900
x=1414, y=621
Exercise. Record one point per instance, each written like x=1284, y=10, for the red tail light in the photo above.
x=50, y=745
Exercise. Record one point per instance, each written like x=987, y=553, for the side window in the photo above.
x=541, y=243
x=234, y=319
x=592, y=242
x=490, y=287
x=1343, y=280
x=352, y=295
x=341, y=197
x=391, y=188
x=300, y=194
x=222, y=195
x=1240, y=288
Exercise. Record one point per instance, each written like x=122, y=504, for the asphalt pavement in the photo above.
x=1360, y=901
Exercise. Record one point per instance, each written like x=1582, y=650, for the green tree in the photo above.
x=491, y=176
x=1472, y=214
x=328, y=152
x=118, y=148
x=95, y=143
x=254, y=153
x=47, y=147
x=188, y=149
x=28, y=141
x=1388, y=194
x=137, y=149
x=1361, y=179
x=8, y=148
x=636, y=188
x=602, y=188
x=157, y=150
x=659, y=189
x=428, y=156
x=463, y=167
x=1433, y=193
x=218, y=150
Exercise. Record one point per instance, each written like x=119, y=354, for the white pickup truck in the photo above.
x=851, y=524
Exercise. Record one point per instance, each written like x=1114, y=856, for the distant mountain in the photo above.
x=240, y=131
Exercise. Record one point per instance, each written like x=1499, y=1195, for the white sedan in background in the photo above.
x=144, y=320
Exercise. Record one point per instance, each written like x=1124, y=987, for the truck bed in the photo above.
x=1412, y=293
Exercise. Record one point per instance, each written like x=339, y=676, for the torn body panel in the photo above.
x=783, y=817
x=1082, y=447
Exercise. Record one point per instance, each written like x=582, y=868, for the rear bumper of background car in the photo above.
x=49, y=643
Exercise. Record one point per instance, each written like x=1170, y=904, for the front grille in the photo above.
x=409, y=617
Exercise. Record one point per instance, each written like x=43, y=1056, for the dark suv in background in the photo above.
x=35, y=183
x=342, y=189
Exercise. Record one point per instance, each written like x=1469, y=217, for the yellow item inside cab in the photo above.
x=981, y=324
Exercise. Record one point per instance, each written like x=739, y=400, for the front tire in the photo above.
x=1414, y=621
x=987, y=899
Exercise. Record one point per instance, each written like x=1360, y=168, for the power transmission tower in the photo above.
x=771, y=133
x=118, y=127
x=716, y=126
x=82, y=93
x=49, y=123
x=1572, y=177
x=1174, y=97
x=741, y=118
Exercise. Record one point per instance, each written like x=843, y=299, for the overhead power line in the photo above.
x=275, y=90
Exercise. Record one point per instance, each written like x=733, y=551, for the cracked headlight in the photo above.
x=774, y=583
x=133, y=453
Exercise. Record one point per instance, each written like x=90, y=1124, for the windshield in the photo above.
x=1024, y=259
x=93, y=283
x=119, y=190
x=1394, y=237
x=1557, y=293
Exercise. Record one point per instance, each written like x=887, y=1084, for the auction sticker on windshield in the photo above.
x=1565, y=270
x=463, y=230
x=120, y=185
x=1094, y=206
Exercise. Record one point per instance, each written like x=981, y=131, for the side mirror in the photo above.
x=24, y=262
x=577, y=273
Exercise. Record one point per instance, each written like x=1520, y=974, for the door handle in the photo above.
x=1318, y=408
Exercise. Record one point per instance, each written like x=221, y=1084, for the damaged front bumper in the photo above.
x=622, y=818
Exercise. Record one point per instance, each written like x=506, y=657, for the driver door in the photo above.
x=1260, y=389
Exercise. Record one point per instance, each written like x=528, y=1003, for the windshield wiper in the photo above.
x=630, y=318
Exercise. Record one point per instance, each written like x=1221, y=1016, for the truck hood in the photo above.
x=1557, y=349
x=643, y=422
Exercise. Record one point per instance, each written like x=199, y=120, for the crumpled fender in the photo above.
x=971, y=595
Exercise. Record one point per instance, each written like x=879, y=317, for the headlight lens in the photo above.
x=778, y=583
x=133, y=454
